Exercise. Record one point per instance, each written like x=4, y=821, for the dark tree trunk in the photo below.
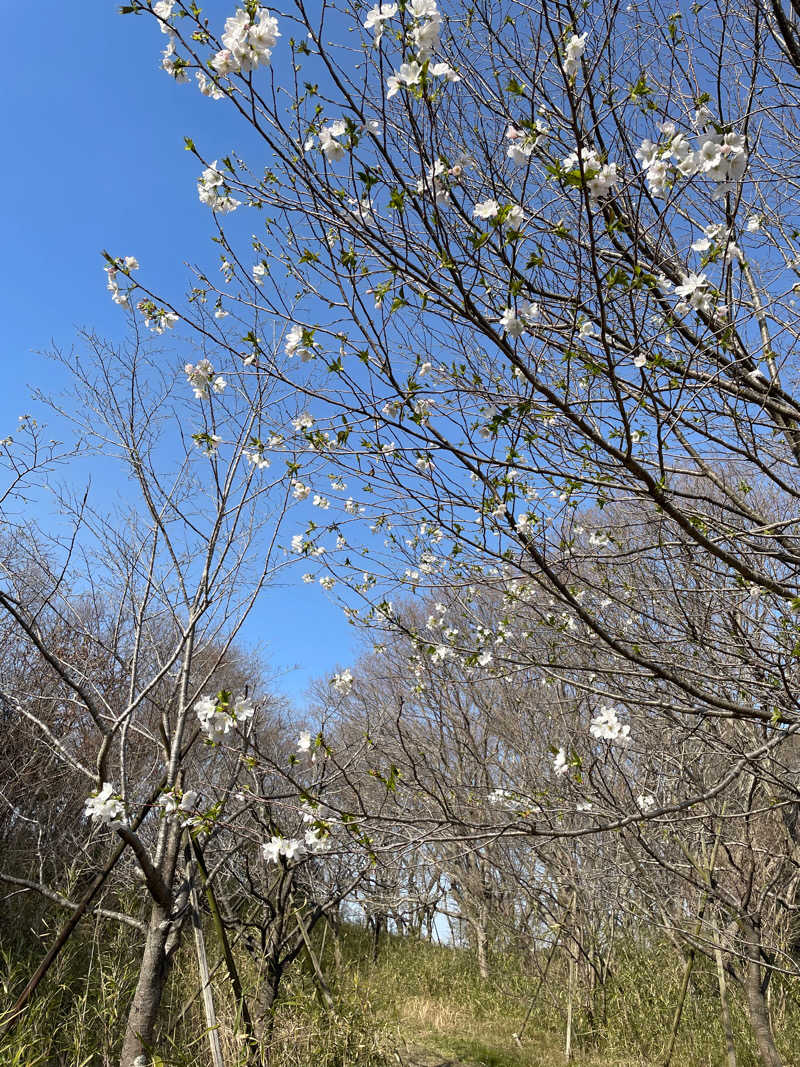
x=266, y=1003
x=161, y=943
x=140, y=1029
x=757, y=1003
x=378, y=926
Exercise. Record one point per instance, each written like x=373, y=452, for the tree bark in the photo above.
x=161, y=942
x=481, y=945
x=759, y=1016
x=265, y=1006
x=378, y=927
x=757, y=1002
x=140, y=1029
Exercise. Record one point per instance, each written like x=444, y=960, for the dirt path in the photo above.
x=416, y=1056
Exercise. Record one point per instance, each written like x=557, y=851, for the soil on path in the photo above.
x=416, y=1056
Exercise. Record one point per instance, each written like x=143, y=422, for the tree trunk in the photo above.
x=759, y=1016
x=481, y=945
x=757, y=1002
x=161, y=943
x=483, y=955
x=153, y=973
x=378, y=926
x=323, y=989
x=337, y=947
x=266, y=1002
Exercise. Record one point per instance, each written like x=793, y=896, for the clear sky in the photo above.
x=94, y=136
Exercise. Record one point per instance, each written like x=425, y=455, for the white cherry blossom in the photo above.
x=295, y=346
x=208, y=87
x=217, y=717
x=329, y=143
x=250, y=41
x=444, y=70
x=486, y=209
x=376, y=17
x=343, y=681
x=409, y=74
x=213, y=192
x=288, y=848
x=105, y=807
x=694, y=289
x=607, y=727
x=572, y=54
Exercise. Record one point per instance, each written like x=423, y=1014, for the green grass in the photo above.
x=417, y=996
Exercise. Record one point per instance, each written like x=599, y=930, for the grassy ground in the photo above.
x=419, y=1004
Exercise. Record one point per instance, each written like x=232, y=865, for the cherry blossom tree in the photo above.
x=121, y=615
x=534, y=270
x=522, y=288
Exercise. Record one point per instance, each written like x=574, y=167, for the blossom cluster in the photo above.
x=522, y=141
x=316, y=838
x=607, y=727
x=695, y=292
x=515, y=321
x=248, y=42
x=290, y=848
x=218, y=715
x=255, y=454
x=105, y=806
x=158, y=319
x=718, y=237
x=179, y=805
x=438, y=179
x=314, y=842
x=573, y=52
x=561, y=763
x=720, y=156
x=208, y=443
x=321, y=823
x=300, y=342
x=333, y=146
x=375, y=19
x=201, y=375
x=213, y=191
x=343, y=681
x=490, y=210
x=330, y=140
x=423, y=38
x=176, y=66
x=599, y=177
x=128, y=264
x=304, y=742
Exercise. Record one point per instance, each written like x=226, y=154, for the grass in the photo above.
x=416, y=996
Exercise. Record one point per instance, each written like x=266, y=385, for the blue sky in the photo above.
x=94, y=130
